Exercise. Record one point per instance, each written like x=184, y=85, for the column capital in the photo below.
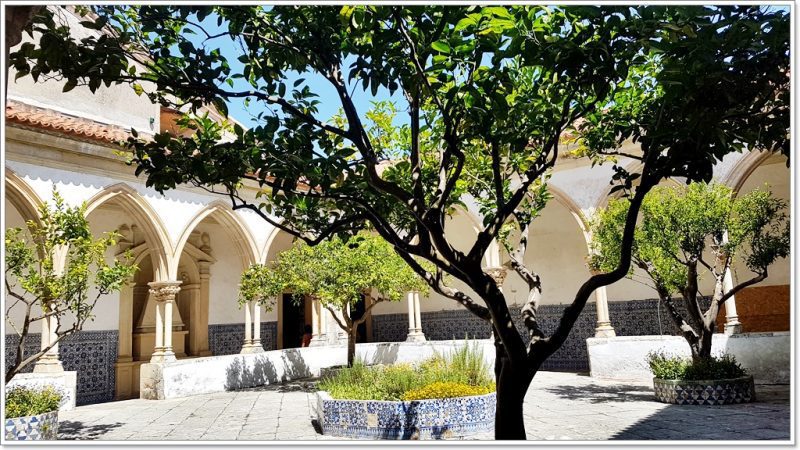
x=164, y=290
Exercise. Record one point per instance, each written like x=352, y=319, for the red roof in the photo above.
x=18, y=113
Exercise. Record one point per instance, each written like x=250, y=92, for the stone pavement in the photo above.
x=559, y=406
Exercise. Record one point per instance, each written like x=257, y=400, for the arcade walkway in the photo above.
x=559, y=406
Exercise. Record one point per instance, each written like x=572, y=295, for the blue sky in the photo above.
x=329, y=100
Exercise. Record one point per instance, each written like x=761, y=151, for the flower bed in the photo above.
x=446, y=418
x=31, y=413
x=447, y=396
x=40, y=427
x=705, y=392
x=710, y=381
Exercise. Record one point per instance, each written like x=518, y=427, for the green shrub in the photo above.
x=715, y=368
x=447, y=389
x=464, y=366
x=671, y=367
x=24, y=401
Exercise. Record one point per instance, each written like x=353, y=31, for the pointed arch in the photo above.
x=22, y=196
x=234, y=227
x=745, y=167
x=145, y=217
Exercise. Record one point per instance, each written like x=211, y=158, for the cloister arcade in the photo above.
x=191, y=249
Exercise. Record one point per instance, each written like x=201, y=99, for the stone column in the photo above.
x=125, y=347
x=248, y=333
x=317, y=323
x=414, y=319
x=604, y=328
x=50, y=361
x=201, y=329
x=164, y=293
x=257, y=326
x=252, y=328
x=732, y=324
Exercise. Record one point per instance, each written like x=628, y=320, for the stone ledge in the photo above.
x=766, y=355
x=193, y=376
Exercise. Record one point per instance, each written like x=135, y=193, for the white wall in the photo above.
x=776, y=175
x=13, y=219
x=117, y=104
x=106, y=312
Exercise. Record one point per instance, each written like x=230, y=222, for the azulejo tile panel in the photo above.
x=629, y=318
x=42, y=427
x=227, y=339
x=422, y=419
x=91, y=354
x=705, y=392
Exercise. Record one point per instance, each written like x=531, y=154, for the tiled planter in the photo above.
x=449, y=418
x=705, y=392
x=42, y=427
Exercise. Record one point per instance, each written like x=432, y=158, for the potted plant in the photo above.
x=32, y=413
x=717, y=380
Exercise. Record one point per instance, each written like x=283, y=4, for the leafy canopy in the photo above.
x=681, y=224
x=336, y=272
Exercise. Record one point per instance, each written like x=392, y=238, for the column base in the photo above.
x=255, y=347
x=318, y=341
x=604, y=331
x=48, y=364
x=733, y=328
x=415, y=336
x=163, y=356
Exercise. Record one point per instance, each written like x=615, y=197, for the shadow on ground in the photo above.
x=604, y=394
x=71, y=430
x=727, y=422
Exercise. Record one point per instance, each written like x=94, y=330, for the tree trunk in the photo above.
x=351, y=345
x=508, y=420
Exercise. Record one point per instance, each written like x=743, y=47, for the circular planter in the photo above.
x=705, y=392
x=42, y=427
x=444, y=418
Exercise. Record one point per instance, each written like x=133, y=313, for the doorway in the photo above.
x=355, y=313
x=293, y=316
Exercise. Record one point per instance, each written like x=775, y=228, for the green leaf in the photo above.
x=441, y=47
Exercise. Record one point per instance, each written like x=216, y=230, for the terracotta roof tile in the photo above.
x=19, y=113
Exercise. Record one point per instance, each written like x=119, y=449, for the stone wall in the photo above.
x=230, y=372
x=767, y=356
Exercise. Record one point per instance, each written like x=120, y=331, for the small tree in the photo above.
x=50, y=270
x=684, y=231
x=337, y=273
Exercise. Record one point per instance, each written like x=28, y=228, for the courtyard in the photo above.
x=558, y=406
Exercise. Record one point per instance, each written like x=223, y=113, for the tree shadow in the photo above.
x=240, y=375
x=605, y=394
x=249, y=372
x=385, y=353
x=74, y=430
x=294, y=366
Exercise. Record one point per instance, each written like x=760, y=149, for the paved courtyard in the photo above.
x=559, y=406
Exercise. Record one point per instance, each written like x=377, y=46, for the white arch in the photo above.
x=234, y=227
x=145, y=217
x=22, y=196
x=745, y=167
